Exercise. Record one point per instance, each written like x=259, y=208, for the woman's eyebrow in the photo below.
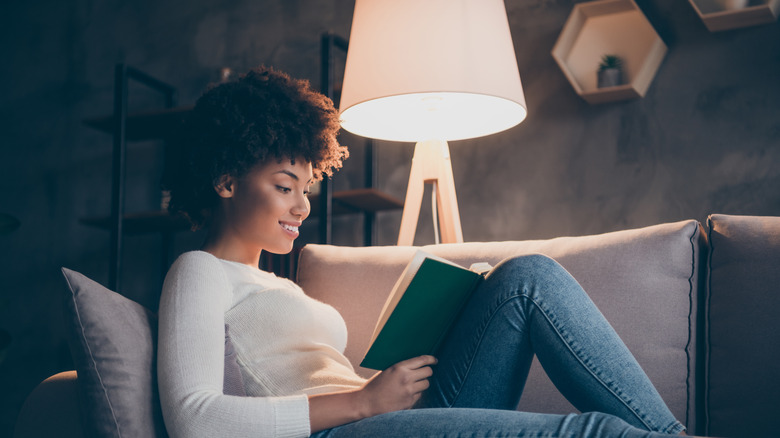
x=292, y=175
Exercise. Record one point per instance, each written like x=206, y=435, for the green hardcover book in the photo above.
x=423, y=304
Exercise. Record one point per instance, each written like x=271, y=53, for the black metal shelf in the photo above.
x=145, y=125
x=344, y=203
x=161, y=124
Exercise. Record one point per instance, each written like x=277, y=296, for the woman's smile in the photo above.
x=292, y=229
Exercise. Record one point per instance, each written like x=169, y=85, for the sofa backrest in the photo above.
x=645, y=281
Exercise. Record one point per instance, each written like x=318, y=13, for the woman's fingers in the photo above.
x=418, y=362
x=422, y=373
x=399, y=386
x=420, y=386
x=413, y=370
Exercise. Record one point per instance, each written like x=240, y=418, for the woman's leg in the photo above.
x=464, y=422
x=531, y=305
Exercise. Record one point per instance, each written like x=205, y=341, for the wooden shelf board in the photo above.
x=358, y=200
x=615, y=27
x=344, y=202
x=140, y=223
x=610, y=94
x=146, y=125
x=719, y=17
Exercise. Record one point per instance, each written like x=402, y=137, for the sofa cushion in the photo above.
x=113, y=345
x=644, y=281
x=742, y=317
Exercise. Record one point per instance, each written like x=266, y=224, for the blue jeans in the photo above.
x=528, y=305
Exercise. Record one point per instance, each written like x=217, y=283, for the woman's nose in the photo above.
x=302, y=207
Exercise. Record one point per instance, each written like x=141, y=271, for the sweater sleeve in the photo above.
x=190, y=362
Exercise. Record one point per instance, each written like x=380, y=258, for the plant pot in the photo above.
x=610, y=77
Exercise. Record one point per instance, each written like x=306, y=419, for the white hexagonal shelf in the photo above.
x=609, y=27
x=720, y=15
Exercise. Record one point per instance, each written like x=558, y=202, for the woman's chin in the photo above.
x=280, y=250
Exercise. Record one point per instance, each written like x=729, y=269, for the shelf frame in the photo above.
x=603, y=27
x=122, y=76
x=144, y=125
x=161, y=123
x=331, y=42
x=752, y=13
x=344, y=202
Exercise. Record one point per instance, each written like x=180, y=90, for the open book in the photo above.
x=423, y=304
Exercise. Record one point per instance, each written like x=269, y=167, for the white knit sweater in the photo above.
x=287, y=344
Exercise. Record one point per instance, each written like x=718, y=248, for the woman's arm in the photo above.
x=394, y=389
x=191, y=370
x=190, y=364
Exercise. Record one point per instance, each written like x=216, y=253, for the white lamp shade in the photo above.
x=430, y=69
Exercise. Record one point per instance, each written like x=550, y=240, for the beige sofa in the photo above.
x=696, y=304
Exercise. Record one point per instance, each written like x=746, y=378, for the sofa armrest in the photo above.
x=742, y=393
x=52, y=409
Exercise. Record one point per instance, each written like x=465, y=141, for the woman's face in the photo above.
x=263, y=210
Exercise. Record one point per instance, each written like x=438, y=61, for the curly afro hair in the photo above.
x=263, y=115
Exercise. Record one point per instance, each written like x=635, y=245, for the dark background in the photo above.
x=705, y=139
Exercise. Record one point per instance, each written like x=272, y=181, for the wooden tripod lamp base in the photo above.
x=431, y=164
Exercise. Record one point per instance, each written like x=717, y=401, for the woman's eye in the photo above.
x=284, y=189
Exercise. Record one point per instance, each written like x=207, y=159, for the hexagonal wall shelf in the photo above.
x=608, y=27
x=720, y=15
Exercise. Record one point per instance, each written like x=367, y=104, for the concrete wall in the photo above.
x=705, y=139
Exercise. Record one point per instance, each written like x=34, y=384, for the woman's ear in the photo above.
x=224, y=186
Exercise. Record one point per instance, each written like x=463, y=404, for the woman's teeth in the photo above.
x=290, y=228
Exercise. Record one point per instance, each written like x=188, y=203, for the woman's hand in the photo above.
x=397, y=387
x=393, y=389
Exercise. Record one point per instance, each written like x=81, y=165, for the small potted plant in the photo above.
x=610, y=71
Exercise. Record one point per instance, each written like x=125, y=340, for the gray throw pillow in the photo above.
x=113, y=341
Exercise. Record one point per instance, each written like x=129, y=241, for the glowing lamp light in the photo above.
x=431, y=71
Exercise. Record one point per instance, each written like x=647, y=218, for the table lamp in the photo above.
x=430, y=71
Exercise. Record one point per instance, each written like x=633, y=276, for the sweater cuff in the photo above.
x=292, y=416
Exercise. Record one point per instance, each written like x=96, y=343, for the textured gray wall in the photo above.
x=705, y=139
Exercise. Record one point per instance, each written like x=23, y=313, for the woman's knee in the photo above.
x=527, y=264
x=533, y=273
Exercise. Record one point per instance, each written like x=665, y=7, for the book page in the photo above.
x=395, y=295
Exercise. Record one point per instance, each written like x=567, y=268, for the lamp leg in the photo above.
x=412, y=203
x=431, y=163
x=449, y=216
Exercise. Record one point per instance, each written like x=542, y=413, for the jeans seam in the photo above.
x=478, y=343
x=582, y=362
x=515, y=294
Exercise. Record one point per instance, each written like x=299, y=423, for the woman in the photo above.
x=252, y=149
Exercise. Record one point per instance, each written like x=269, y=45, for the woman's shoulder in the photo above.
x=198, y=260
x=196, y=273
x=195, y=263
x=196, y=257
